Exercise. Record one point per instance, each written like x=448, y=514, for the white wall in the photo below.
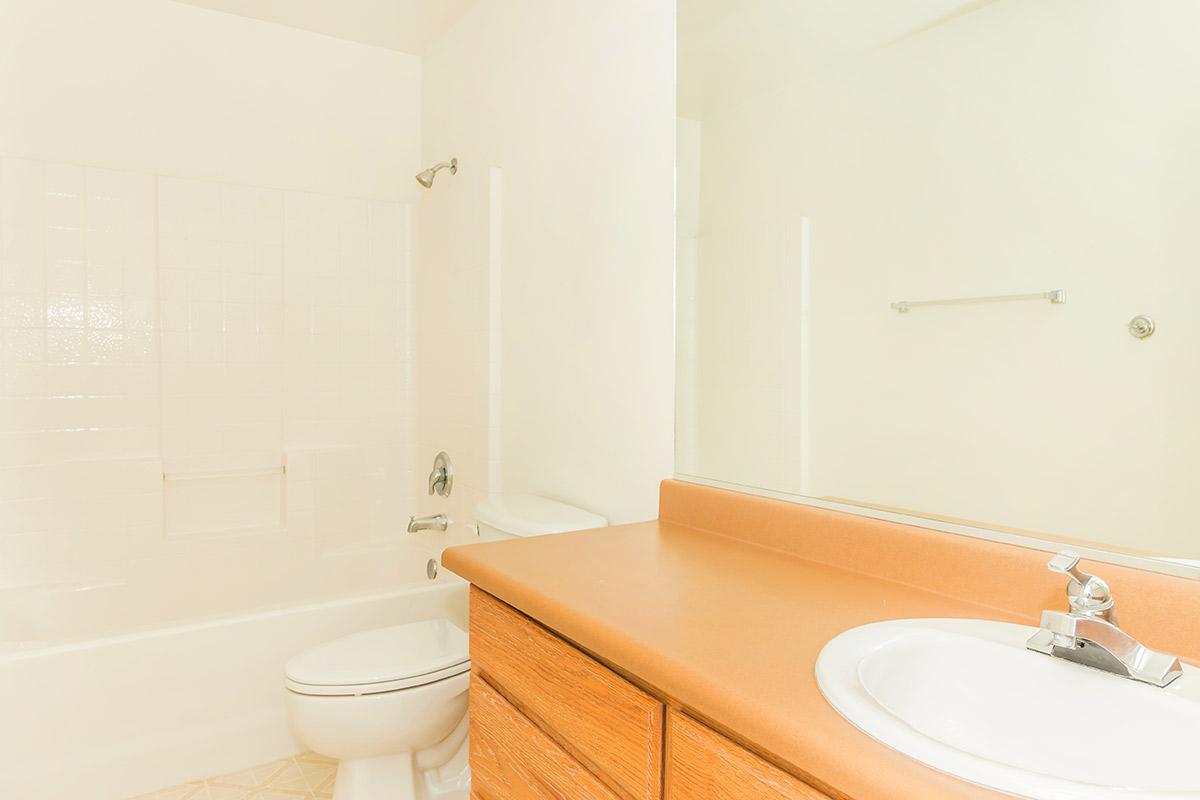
x=204, y=276
x=1027, y=146
x=574, y=104
x=162, y=87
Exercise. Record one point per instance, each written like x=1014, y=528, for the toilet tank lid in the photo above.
x=530, y=515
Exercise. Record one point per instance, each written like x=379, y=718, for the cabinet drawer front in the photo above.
x=603, y=720
x=512, y=760
x=704, y=765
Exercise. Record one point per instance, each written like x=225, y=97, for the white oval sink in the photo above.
x=966, y=698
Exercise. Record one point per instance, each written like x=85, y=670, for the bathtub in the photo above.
x=117, y=715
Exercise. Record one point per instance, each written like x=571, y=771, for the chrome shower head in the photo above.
x=425, y=178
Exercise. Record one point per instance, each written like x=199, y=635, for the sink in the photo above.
x=966, y=698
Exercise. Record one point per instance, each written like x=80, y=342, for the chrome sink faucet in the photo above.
x=1088, y=634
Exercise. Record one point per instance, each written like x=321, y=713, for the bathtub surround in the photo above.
x=457, y=276
x=205, y=390
x=578, y=100
x=204, y=275
x=194, y=370
x=79, y=377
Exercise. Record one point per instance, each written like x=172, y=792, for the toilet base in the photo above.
x=380, y=778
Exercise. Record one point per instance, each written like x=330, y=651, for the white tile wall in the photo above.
x=458, y=338
x=221, y=304
x=162, y=325
x=347, y=365
x=79, y=413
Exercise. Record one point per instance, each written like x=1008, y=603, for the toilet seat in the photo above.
x=381, y=660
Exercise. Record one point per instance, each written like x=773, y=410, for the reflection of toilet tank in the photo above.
x=507, y=516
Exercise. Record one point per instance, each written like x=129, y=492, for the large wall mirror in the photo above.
x=942, y=258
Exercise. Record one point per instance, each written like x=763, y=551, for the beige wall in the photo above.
x=1027, y=146
x=569, y=358
x=158, y=86
x=204, y=274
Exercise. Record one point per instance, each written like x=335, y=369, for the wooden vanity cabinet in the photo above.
x=512, y=757
x=549, y=722
x=704, y=765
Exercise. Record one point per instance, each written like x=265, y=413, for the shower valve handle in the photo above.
x=441, y=480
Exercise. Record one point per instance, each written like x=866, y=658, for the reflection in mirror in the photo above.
x=838, y=159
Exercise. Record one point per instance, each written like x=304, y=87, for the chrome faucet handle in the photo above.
x=441, y=480
x=1088, y=594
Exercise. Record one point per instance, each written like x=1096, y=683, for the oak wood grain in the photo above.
x=511, y=759
x=704, y=765
x=604, y=721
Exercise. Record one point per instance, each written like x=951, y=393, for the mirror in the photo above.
x=1033, y=166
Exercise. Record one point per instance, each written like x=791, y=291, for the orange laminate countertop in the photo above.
x=730, y=628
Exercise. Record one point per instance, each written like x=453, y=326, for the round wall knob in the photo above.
x=1141, y=327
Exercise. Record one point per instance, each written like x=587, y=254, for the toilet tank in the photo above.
x=508, y=516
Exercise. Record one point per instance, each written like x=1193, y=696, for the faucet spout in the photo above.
x=437, y=522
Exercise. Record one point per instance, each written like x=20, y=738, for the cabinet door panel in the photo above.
x=602, y=719
x=511, y=759
x=704, y=765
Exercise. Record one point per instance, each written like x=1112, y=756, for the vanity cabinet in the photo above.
x=512, y=758
x=704, y=765
x=549, y=722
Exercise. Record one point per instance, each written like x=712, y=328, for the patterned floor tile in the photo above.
x=185, y=792
x=217, y=792
x=303, y=776
x=316, y=758
x=252, y=777
x=307, y=776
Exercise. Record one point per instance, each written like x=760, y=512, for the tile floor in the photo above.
x=304, y=777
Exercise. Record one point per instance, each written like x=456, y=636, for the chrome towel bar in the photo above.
x=1055, y=296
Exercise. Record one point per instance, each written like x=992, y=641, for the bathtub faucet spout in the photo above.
x=438, y=522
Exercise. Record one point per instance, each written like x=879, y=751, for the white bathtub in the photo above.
x=112, y=717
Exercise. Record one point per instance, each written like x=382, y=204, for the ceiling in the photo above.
x=730, y=47
x=405, y=25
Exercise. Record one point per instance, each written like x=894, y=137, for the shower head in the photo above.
x=425, y=178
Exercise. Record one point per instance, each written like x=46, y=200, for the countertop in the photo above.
x=730, y=628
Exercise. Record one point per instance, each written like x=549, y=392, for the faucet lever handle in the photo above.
x=1067, y=563
x=441, y=480
x=1088, y=594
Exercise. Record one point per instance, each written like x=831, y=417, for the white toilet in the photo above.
x=391, y=703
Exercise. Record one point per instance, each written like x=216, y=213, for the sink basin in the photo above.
x=966, y=698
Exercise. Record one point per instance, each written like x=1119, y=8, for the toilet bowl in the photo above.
x=390, y=705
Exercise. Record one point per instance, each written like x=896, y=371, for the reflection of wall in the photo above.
x=206, y=327
x=687, y=229
x=1028, y=146
x=741, y=291
x=573, y=102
